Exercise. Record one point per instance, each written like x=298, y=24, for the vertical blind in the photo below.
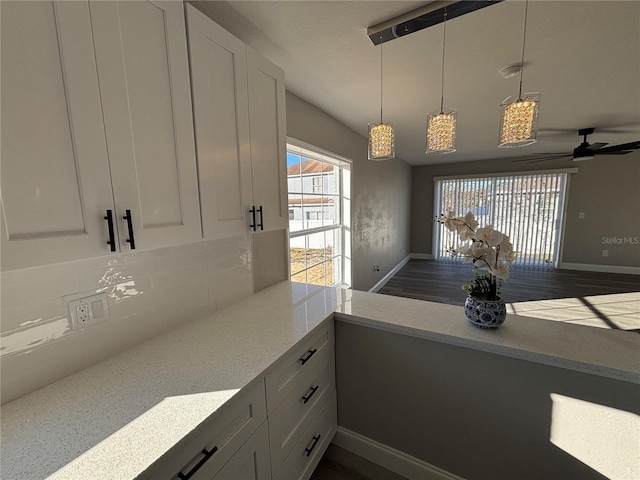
x=528, y=208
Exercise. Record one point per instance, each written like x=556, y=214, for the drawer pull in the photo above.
x=207, y=455
x=307, y=397
x=307, y=451
x=311, y=353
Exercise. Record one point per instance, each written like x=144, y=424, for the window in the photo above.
x=319, y=191
x=317, y=184
x=526, y=207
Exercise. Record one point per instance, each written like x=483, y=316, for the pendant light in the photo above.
x=441, y=127
x=519, y=123
x=381, y=135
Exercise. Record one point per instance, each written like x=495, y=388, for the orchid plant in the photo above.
x=488, y=249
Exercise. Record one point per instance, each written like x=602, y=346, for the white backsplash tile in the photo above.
x=148, y=293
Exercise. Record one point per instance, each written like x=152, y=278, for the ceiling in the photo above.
x=583, y=56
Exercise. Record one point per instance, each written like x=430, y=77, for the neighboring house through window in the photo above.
x=319, y=199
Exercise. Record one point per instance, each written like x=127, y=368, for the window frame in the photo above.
x=308, y=151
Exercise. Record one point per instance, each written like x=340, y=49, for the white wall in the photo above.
x=380, y=192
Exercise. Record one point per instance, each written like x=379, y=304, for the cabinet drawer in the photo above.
x=222, y=435
x=282, y=380
x=307, y=452
x=251, y=462
x=293, y=415
x=226, y=435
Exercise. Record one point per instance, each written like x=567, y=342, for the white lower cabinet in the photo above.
x=201, y=455
x=278, y=428
x=301, y=406
x=251, y=462
x=306, y=454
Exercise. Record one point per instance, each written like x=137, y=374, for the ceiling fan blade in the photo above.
x=614, y=152
x=548, y=159
x=623, y=146
x=594, y=147
x=533, y=158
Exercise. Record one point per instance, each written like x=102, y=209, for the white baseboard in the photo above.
x=388, y=276
x=421, y=256
x=599, y=268
x=389, y=458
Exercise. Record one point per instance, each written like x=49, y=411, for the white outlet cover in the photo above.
x=96, y=306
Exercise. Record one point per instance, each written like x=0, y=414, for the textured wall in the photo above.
x=606, y=189
x=484, y=416
x=381, y=192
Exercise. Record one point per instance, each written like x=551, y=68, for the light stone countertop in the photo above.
x=118, y=417
x=609, y=353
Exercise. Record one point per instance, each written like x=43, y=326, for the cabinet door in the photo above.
x=142, y=63
x=251, y=461
x=55, y=174
x=221, y=113
x=268, y=140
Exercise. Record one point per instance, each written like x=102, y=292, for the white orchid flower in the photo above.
x=471, y=221
x=450, y=221
x=489, y=235
x=466, y=251
x=502, y=270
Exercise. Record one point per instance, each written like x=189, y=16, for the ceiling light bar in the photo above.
x=422, y=18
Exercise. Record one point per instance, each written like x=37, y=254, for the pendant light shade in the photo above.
x=441, y=127
x=519, y=122
x=381, y=135
x=381, y=141
x=441, y=132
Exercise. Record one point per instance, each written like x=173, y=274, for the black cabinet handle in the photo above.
x=311, y=353
x=307, y=451
x=112, y=237
x=207, y=455
x=307, y=397
x=261, y=224
x=131, y=240
x=253, y=213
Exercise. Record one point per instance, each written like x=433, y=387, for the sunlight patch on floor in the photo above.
x=619, y=311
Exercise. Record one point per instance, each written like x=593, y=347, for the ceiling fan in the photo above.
x=586, y=150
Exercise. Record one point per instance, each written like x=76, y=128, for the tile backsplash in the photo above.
x=148, y=293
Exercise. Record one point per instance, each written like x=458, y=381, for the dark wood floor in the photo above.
x=440, y=281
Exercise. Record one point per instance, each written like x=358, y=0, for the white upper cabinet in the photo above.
x=239, y=114
x=268, y=128
x=88, y=130
x=143, y=68
x=221, y=113
x=55, y=172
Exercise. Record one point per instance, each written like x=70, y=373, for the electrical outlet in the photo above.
x=82, y=313
x=605, y=253
x=88, y=310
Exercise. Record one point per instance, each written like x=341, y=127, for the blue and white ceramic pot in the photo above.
x=485, y=313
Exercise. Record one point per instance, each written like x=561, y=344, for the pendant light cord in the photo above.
x=444, y=41
x=524, y=39
x=380, y=78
